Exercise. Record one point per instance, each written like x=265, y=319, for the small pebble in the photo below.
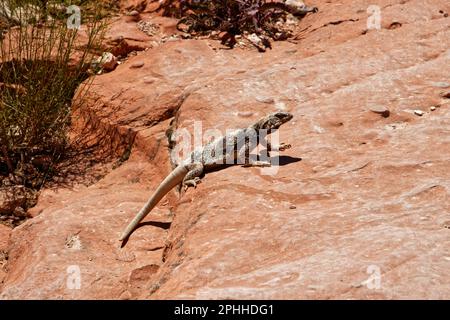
x=292, y=207
x=126, y=295
x=419, y=113
x=445, y=95
x=245, y=114
x=382, y=110
x=265, y=100
x=432, y=108
x=134, y=13
x=149, y=80
x=139, y=64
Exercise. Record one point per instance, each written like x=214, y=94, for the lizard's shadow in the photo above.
x=285, y=160
x=162, y=225
x=282, y=161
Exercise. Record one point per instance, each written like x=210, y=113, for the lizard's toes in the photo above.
x=191, y=183
x=284, y=146
x=265, y=164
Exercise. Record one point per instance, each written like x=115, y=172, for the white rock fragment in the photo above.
x=257, y=42
x=318, y=129
x=107, y=61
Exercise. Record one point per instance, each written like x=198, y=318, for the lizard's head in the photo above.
x=274, y=120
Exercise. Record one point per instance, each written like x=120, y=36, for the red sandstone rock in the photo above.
x=4, y=236
x=5, y=232
x=357, y=196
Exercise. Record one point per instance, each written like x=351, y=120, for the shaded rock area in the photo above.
x=359, y=206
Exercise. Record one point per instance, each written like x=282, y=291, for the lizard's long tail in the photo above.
x=174, y=178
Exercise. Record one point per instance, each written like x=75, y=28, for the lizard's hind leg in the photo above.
x=192, y=178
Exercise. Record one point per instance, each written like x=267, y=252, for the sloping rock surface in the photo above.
x=358, y=208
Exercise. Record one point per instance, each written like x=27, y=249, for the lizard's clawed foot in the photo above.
x=284, y=146
x=191, y=183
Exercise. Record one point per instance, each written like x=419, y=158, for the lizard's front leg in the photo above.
x=192, y=178
x=281, y=147
x=244, y=154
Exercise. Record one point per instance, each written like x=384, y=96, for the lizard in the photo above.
x=218, y=153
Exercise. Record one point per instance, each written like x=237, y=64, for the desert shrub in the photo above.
x=233, y=17
x=42, y=64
